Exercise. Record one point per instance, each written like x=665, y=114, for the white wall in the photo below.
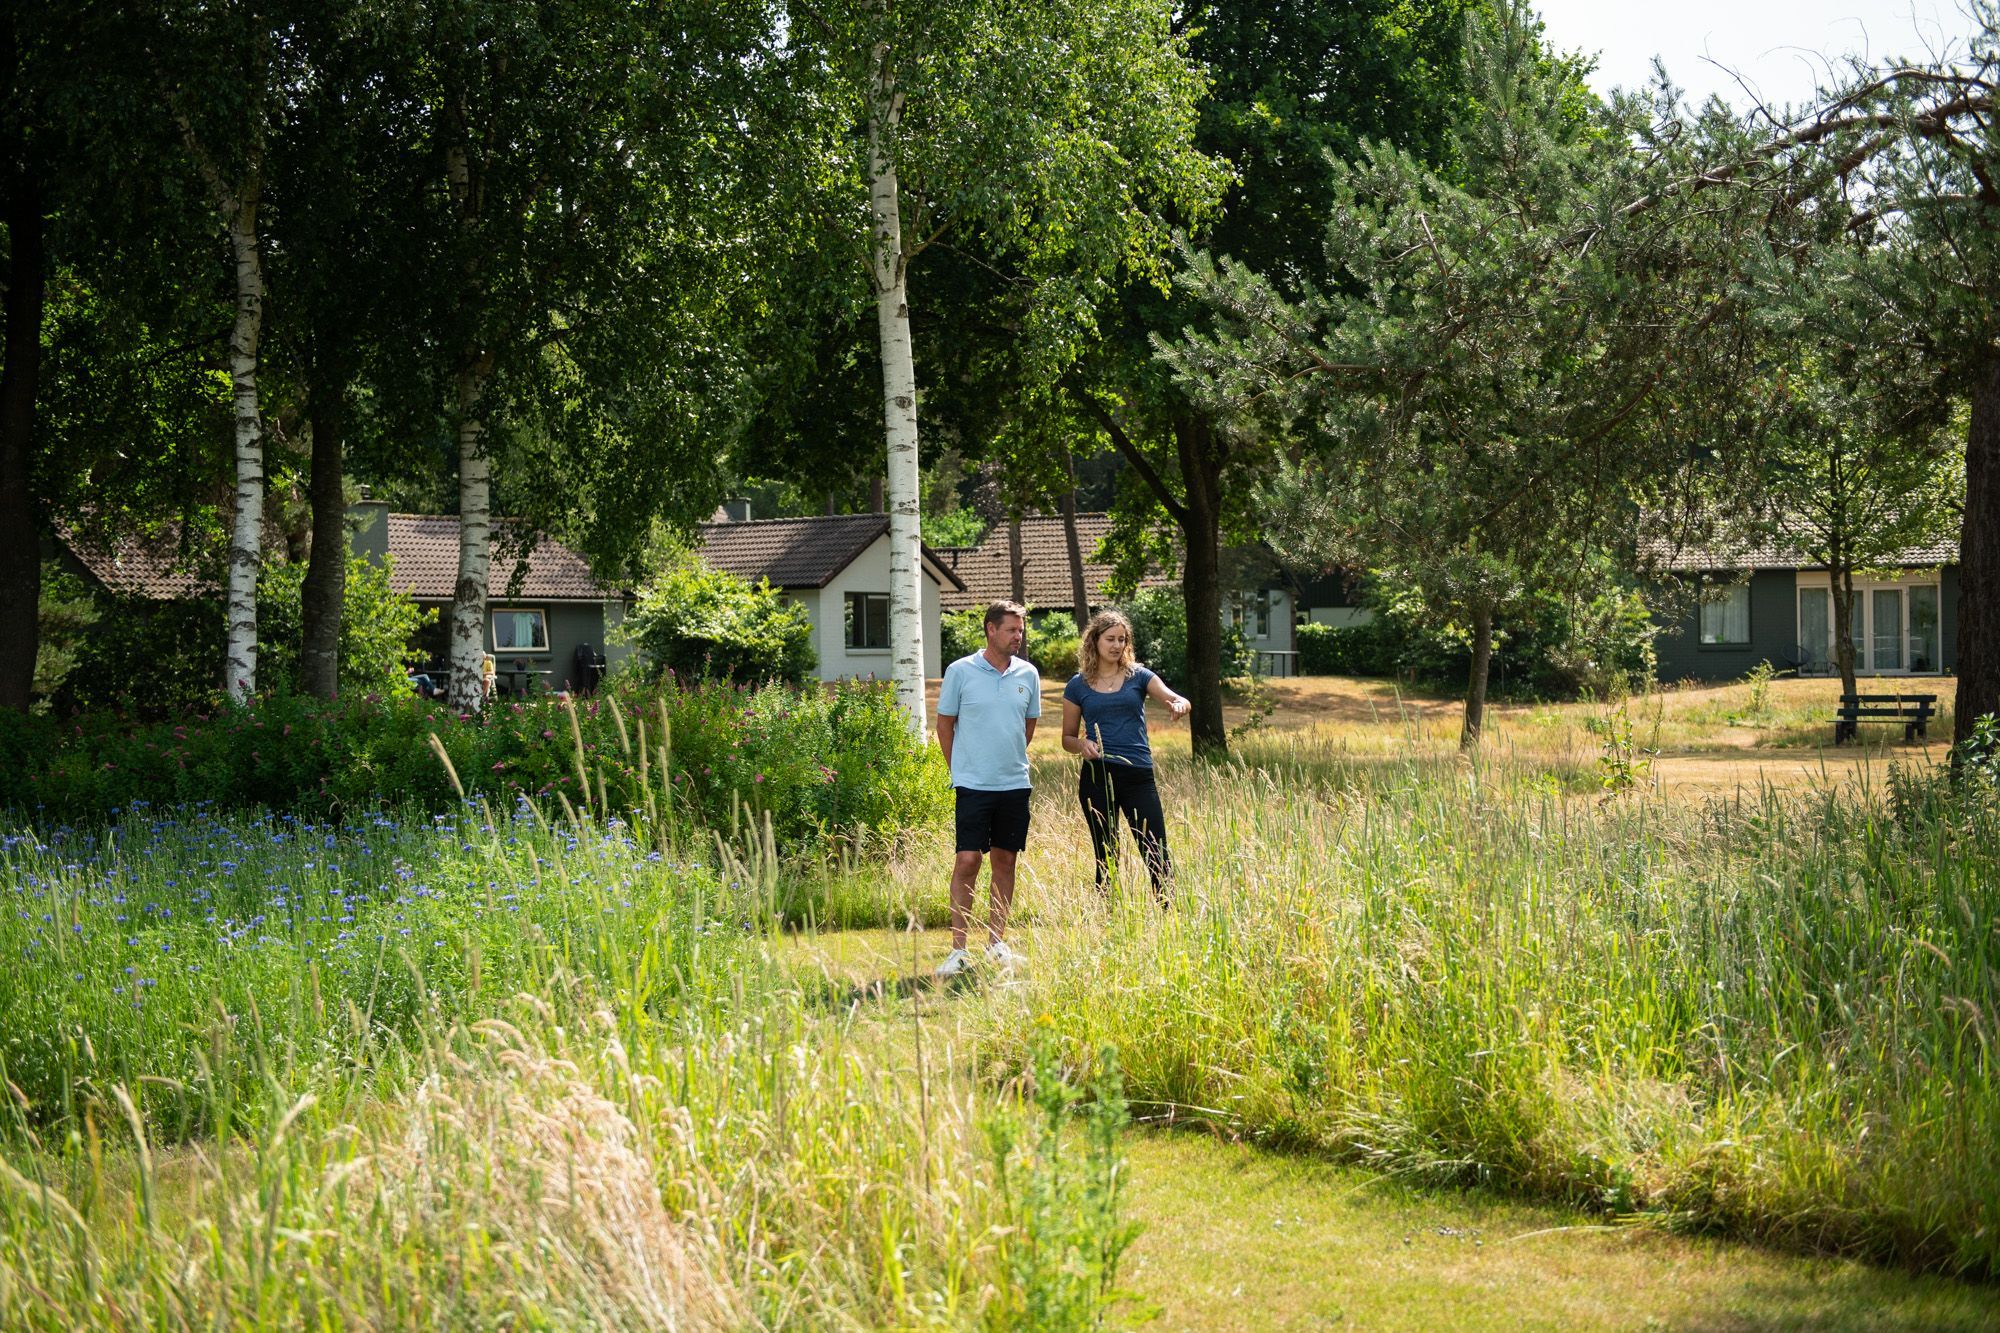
x=868, y=573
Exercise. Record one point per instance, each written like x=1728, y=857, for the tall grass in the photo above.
x=1770, y=1016
x=597, y=1101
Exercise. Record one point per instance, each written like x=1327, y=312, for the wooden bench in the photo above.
x=1914, y=711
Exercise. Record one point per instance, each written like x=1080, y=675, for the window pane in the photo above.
x=1888, y=629
x=519, y=631
x=1726, y=618
x=1924, y=655
x=1815, y=629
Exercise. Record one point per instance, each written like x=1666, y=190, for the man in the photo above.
x=987, y=708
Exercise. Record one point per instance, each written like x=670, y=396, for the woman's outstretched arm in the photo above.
x=1158, y=689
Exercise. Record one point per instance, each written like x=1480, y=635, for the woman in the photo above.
x=1104, y=720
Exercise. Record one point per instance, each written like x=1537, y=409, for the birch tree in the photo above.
x=1056, y=138
x=214, y=70
x=587, y=160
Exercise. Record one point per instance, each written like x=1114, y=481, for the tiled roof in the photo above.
x=423, y=549
x=423, y=553
x=133, y=566
x=1665, y=552
x=987, y=569
x=800, y=552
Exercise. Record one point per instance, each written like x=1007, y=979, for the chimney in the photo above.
x=736, y=509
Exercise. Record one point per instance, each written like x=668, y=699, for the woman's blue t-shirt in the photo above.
x=1117, y=719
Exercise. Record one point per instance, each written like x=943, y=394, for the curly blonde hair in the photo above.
x=1088, y=660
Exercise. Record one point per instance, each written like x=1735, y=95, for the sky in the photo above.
x=1781, y=47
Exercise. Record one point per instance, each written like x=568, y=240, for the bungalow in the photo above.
x=837, y=567
x=1261, y=598
x=544, y=630
x=1766, y=603
x=541, y=631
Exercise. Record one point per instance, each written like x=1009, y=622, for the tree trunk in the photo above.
x=20, y=530
x=1475, y=687
x=1201, y=585
x=890, y=270
x=1017, y=564
x=1079, y=585
x=246, y=536
x=1840, y=582
x=475, y=540
x=1979, y=562
x=321, y=600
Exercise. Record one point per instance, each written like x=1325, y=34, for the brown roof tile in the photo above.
x=986, y=569
x=800, y=552
x=1668, y=553
x=423, y=551
x=132, y=566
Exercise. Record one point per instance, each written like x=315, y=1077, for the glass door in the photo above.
x=1815, y=631
x=1885, y=629
x=1924, y=642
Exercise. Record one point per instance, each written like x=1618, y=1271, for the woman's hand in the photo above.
x=1089, y=748
x=1179, y=707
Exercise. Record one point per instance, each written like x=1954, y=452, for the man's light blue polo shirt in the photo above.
x=989, y=749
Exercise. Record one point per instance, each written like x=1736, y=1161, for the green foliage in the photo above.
x=1159, y=636
x=699, y=624
x=148, y=659
x=954, y=527
x=962, y=633
x=1557, y=646
x=1621, y=764
x=378, y=625
x=1062, y=1201
x=1053, y=643
x=827, y=766
x=66, y=612
x=1757, y=708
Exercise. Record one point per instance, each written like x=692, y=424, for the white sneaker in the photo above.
x=1006, y=955
x=955, y=962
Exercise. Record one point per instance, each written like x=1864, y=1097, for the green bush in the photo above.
x=377, y=627
x=1053, y=643
x=962, y=633
x=704, y=624
x=1343, y=650
x=1555, y=647
x=825, y=765
x=1159, y=632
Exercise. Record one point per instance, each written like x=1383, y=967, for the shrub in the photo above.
x=703, y=623
x=1159, y=630
x=1053, y=643
x=377, y=626
x=962, y=633
x=1556, y=646
x=827, y=767
x=1343, y=650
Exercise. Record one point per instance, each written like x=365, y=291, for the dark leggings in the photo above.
x=1106, y=791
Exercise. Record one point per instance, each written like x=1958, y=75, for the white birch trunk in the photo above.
x=239, y=668
x=890, y=270
x=475, y=544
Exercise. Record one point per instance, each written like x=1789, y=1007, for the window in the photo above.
x=1251, y=613
x=868, y=620
x=1725, y=615
x=520, y=632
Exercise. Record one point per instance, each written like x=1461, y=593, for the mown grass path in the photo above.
x=1238, y=1237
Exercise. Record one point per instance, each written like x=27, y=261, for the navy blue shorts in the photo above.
x=989, y=819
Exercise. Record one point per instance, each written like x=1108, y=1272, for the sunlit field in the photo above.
x=506, y=1067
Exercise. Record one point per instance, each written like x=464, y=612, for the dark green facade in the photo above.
x=1774, y=632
